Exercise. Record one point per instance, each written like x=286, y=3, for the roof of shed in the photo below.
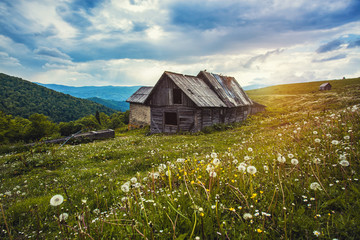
x=140, y=95
x=325, y=84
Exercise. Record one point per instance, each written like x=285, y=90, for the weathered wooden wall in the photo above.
x=185, y=119
x=163, y=97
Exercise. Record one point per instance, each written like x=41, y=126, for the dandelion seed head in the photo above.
x=251, y=169
x=125, y=187
x=344, y=163
x=315, y=186
x=247, y=216
x=212, y=174
x=56, y=200
x=216, y=161
x=63, y=217
x=281, y=159
x=317, y=160
x=335, y=142
x=294, y=161
x=241, y=168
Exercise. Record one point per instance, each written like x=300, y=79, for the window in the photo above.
x=177, y=96
x=171, y=118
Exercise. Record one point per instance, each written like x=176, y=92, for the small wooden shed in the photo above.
x=325, y=86
x=189, y=103
x=257, y=107
x=139, y=112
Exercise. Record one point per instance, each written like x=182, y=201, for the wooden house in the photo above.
x=189, y=103
x=325, y=86
x=139, y=112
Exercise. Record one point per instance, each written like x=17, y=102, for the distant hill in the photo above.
x=22, y=98
x=255, y=86
x=117, y=105
x=116, y=93
x=303, y=88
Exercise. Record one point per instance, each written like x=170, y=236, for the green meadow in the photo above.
x=291, y=172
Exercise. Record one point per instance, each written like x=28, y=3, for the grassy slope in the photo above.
x=91, y=177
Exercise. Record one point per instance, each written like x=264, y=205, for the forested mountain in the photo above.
x=19, y=97
x=116, y=93
x=117, y=105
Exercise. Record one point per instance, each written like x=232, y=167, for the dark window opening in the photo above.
x=171, y=118
x=177, y=96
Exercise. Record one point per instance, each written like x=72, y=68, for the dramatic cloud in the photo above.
x=111, y=42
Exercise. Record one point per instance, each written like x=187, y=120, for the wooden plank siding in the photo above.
x=163, y=96
x=185, y=119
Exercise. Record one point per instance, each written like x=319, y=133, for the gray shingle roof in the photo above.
x=227, y=88
x=140, y=95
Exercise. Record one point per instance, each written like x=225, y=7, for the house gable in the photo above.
x=196, y=93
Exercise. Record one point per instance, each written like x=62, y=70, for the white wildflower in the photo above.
x=316, y=233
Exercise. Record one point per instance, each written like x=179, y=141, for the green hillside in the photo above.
x=303, y=88
x=117, y=105
x=19, y=97
x=291, y=172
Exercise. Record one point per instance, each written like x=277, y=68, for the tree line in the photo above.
x=38, y=126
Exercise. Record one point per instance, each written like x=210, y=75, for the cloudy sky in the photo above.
x=132, y=42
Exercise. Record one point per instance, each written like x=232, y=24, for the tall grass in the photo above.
x=288, y=173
